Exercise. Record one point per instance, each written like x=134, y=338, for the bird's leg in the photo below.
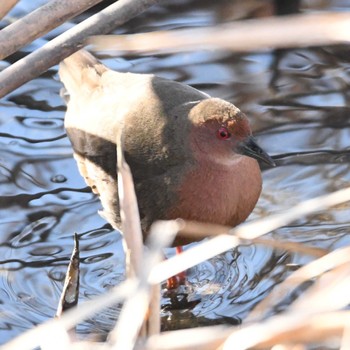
x=181, y=295
x=179, y=279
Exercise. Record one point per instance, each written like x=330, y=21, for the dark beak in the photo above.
x=250, y=148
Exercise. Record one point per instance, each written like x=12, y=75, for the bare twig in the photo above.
x=40, y=22
x=154, y=311
x=197, y=231
x=6, y=6
x=249, y=35
x=204, y=338
x=132, y=234
x=129, y=212
x=302, y=30
x=328, y=292
x=305, y=273
x=292, y=328
x=148, y=297
x=132, y=316
x=34, y=337
x=72, y=40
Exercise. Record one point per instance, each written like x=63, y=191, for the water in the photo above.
x=297, y=101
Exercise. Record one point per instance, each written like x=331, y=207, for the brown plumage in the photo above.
x=191, y=156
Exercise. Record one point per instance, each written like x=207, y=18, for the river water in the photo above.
x=297, y=102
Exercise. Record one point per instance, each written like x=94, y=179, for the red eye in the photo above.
x=223, y=134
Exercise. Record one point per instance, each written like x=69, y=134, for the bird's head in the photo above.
x=221, y=132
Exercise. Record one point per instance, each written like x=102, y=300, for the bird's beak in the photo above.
x=250, y=148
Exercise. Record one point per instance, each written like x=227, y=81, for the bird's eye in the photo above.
x=223, y=134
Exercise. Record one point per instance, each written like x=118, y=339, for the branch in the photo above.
x=39, y=22
x=66, y=44
x=6, y=6
x=246, y=35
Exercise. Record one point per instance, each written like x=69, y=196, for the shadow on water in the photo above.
x=297, y=101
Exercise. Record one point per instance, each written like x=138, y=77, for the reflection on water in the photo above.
x=297, y=101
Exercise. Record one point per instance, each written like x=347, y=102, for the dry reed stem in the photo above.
x=305, y=273
x=198, y=231
x=289, y=328
x=144, y=306
x=153, y=318
x=129, y=211
x=345, y=341
x=130, y=321
x=306, y=319
x=294, y=247
x=329, y=292
x=292, y=327
x=136, y=307
x=55, y=329
x=247, y=35
x=299, y=324
x=203, y=338
x=6, y=6
x=39, y=22
x=292, y=31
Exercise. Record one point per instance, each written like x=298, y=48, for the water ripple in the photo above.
x=297, y=102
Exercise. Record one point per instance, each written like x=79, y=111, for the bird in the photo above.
x=192, y=156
